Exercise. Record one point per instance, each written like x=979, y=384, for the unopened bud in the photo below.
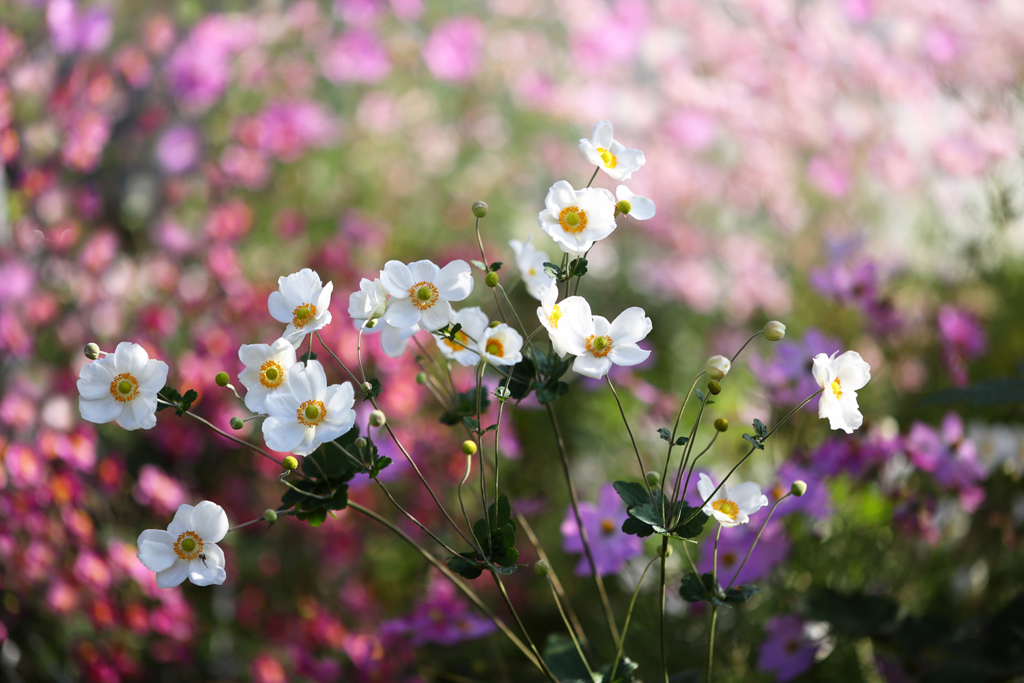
x=290, y=463
x=479, y=209
x=92, y=351
x=222, y=379
x=798, y=488
x=469, y=447
x=653, y=479
x=667, y=551
x=270, y=515
x=491, y=280
x=360, y=442
x=714, y=387
x=495, y=323
x=371, y=323
x=718, y=367
x=721, y=424
x=421, y=378
x=542, y=568
x=623, y=206
x=378, y=418
x=774, y=330
x=366, y=386
x=237, y=423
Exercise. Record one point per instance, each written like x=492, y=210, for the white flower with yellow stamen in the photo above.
x=367, y=307
x=638, y=207
x=731, y=507
x=597, y=344
x=122, y=386
x=610, y=155
x=501, y=345
x=551, y=315
x=531, y=265
x=188, y=549
x=301, y=301
x=421, y=292
x=266, y=369
x=308, y=412
x=463, y=351
x=841, y=378
x=575, y=219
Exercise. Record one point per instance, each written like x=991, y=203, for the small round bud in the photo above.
x=366, y=386
x=718, y=367
x=653, y=479
x=360, y=442
x=798, y=488
x=479, y=209
x=668, y=551
x=378, y=418
x=721, y=424
x=542, y=568
x=237, y=423
x=290, y=463
x=469, y=447
x=491, y=280
x=421, y=378
x=270, y=515
x=714, y=387
x=495, y=323
x=623, y=206
x=774, y=330
x=222, y=379
x=92, y=351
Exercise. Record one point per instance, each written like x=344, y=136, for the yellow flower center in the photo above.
x=124, y=388
x=423, y=295
x=572, y=219
x=837, y=388
x=607, y=526
x=271, y=374
x=495, y=348
x=599, y=346
x=303, y=314
x=608, y=158
x=556, y=315
x=188, y=546
x=726, y=507
x=461, y=338
x=728, y=559
x=311, y=413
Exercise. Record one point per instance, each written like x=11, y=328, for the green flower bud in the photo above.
x=798, y=488
x=237, y=423
x=270, y=515
x=495, y=323
x=668, y=551
x=623, y=206
x=714, y=387
x=421, y=378
x=222, y=379
x=378, y=418
x=469, y=447
x=721, y=424
x=491, y=280
x=290, y=463
x=542, y=568
x=479, y=209
x=366, y=386
x=371, y=323
x=653, y=479
x=92, y=351
x=774, y=330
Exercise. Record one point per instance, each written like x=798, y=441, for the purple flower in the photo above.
x=951, y=459
x=815, y=503
x=441, y=617
x=71, y=31
x=611, y=547
x=452, y=52
x=962, y=339
x=786, y=374
x=855, y=454
x=859, y=286
x=733, y=544
x=178, y=149
x=787, y=651
x=357, y=57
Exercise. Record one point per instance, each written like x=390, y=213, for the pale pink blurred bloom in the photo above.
x=17, y=411
x=62, y=597
x=693, y=129
x=452, y=52
x=858, y=10
x=288, y=129
x=245, y=166
x=940, y=44
x=158, y=33
x=960, y=155
x=199, y=69
x=357, y=56
x=407, y=10
x=173, y=237
x=229, y=221
x=85, y=139
x=159, y=491
x=79, y=524
x=25, y=467
x=91, y=570
x=11, y=46
x=99, y=251
x=830, y=174
x=179, y=148
x=71, y=31
x=266, y=669
x=134, y=65
x=38, y=561
x=360, y=13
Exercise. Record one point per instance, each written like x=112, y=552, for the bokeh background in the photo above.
x=851, y=167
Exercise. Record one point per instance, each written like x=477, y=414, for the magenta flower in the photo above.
x=357, y=56
x=178, y=149
x=440, y=617
x=951, y=459
x=733, y=545
x=603, y=522
x=788, y=651
x=962, y=339
x=452, y=52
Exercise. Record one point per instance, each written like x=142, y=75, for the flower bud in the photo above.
x=798, y=488
x=623, y=206
x=653, y=479
x=479, y=209
x=270, y=515
x=92, y=351
x=774, y=330
x=714, y=387
x=718, y=367
x=222, y=379
x=290, y=463
x=491, y=280
x=360, y=442
x=668, y=551
x=469, y=447
x=721, y=424
x=378, y=418
x=495, y=323
x=421, y=378
x=366, y=386
x=237, y=423
x=542, y=568
x=371, y=323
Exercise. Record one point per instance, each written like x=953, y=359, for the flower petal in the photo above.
x=153, y=376
x=630, y=326
x=455, y=281
x=94, y=381
x=423, y=271
x=591, y=366
x=182, y=521
x=822, y=371
x=127, y=420
x=397, y=279
x=402, y=313
x=627, y=355
x=602, y=136
x=101, y=410
x=748, y=497
x=143, y=407
x=281, y=435
x=279, y=308
x=852, y=371
x=156, y=549
x=705, y=487
x=173, y=575
x=209, y=521
x=323, y=299
x=394, y=340
x=590, y=152
x=437, y=316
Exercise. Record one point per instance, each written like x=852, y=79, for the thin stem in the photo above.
x=284, y=512
x=629, y=615
x=596, y=169
x=413, y=519
x=359, y=350
x=752, y=338
x=462, y=503
x=337, y=360
x=714, y=607
x=522, y=327
x=661, y=608
x=480, y=454
x=687, y=449
x=675, y=427
x=228, y=436
x=572, y=631
x=519, y=623
x=694, y=463
x=643, y=475
x=756, y=539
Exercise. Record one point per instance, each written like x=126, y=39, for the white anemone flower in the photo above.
x=395, y=340
x=841, y=378
x=421, y=292
x=530, y=261
x=474, y=321
x=597, y=344
x=501, y=345
x=551, y=315
x=575, y=219
x=308, y=413
x=188, y=549
x=367, y=307
x=301, y=301
x=640, y=208
x=122, y=386
x=610, y=155
x=266, y=369
x=731, y=507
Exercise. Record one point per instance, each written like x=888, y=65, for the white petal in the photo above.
x=630, y=326
x=182, y=521
x=402, y=313
x=705, y=486
x=591, y=366
x=174, y=575
x=102, y=410
x=128, y=421
x=256, y=398
x=279, y=308
x=254, y=355
x=560, y=195
x=156, y=549
x=143, y=407
x=323, y=300
x=153, y=377
x=209, y=521
x=590, y=152
x=455, y=281
x=129, y=357
x=281, y=435
x=205, y=574
x=822, y=371
x=852, y=371
x=602, y=136
x=747, y=497
x=94, y=381
x=424, y=271
x=437, y=316
x=397, y=279
x=394, y=340
x=627, y=355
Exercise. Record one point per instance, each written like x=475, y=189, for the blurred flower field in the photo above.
x=851, y=168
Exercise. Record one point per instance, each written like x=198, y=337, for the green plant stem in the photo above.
x=572, y=631
x=661, y=609
x=756, y=539
x=714, y=607
x=693, y=464
x=478, y=437
x=629, y=615
x=639, y=461
x=687, y=450
x=675, y=429
x=355, y=380
x=228, y=436
x=522, y=327
x=522, y=628
x=413, y=519
x=589, y=182
x=285, y=512
x=752, y=338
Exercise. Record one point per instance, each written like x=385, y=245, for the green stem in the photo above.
x=337, y=360
x=643, y=474
x=522, y=628
x=228, y=436
x=572, y=631
x=661, y=609
x=412, y=519
x=589, y=182
x=756, y=539
x=675, y=429
x=284, y=512
x=714, y=607
x=629, y=615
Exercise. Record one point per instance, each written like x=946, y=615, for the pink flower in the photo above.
x=356, y=57
x=452, y=52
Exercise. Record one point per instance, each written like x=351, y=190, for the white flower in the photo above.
x=718, y=367
x=841, y=378
x=394, y=340
x=640, y=208
x=531, y=265
x=551, y=314
x=597, y=344
x=266, y=369
x=369, y=303
x=732, y=507
x=188, y=549
x=421, y=292
x=610, y=155
x=501, y=345
x=122, y=386
x=308, y=412
x=576, y=219
x=474, y=321
x=302, y=303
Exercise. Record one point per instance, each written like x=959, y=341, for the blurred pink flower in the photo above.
x=72, y=31
x=159, y=491
x=452, y=52
x=357, y=56
x=178, y=149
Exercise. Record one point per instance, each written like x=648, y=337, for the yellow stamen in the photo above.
x=311, y=413
x=572, y=219
x=726, y=507
x=599, y=346
x=495, y=348
x=837, y=389
x=460, y=337
x=423, y=295
x=271, y=374
x=609, y=159
x=556, y=315
x=188, y=546
x=124, y=388
x=607, y=526
x=303, y=314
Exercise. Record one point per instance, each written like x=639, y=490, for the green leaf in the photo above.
x=314, y=517
x=760, y=429
x=700, y=395
x=465, y=406
x=465, y=566
x=681, y=441
x=695, y=588
x=625, y=672
x=632, y=493
x=559, y=366
x=665, y=433
x=754, y=442
x=857, y=614
x=741, y=593
x=471, y=424
x=306, y=357
x=496, y=266
x=480, y=264
x=554, y=272
x=500, y=512
x=168, y=394
x=634, y=527
x=523, y=373
x=547, y=394
x=690, y=528
x=563, y=659
x=375, y=389
x=578, y=267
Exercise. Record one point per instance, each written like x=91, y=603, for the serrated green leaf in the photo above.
x=471, y=424
x=760, y=429
x=690, y=528
x=548, y=394
x=695, y=588
x=496, y=266
x=754, y=442
x=741, y=593
x=374, y=391
x=634, y=527
x=632, y=493
x=665, y=433
x=681, y=441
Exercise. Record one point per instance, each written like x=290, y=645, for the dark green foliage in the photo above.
x=328, y=472
x=695, y=588
x=496, y=536
x=856, y=614
x=305, y=358
x=647, y=516
x=465, y=406
x=540, y=372
x=181, y=403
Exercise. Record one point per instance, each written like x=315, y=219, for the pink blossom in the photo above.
x=357, y=56
x=452, y=52
x=159, y=491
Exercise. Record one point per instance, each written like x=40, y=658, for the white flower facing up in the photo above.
x=474, y=321
x=551, y=315
x=531, y=265
x=367, y=307
x=308, y=413
x=841, y=378
x=731, y=507
x=301, y=301
x=188, y=549
x=122, y=386
x=640, y=208
x=421, y=292
x=609, y=154
x=501, y=345
x=266, y=369
x=575, y=219
x=597, y=344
